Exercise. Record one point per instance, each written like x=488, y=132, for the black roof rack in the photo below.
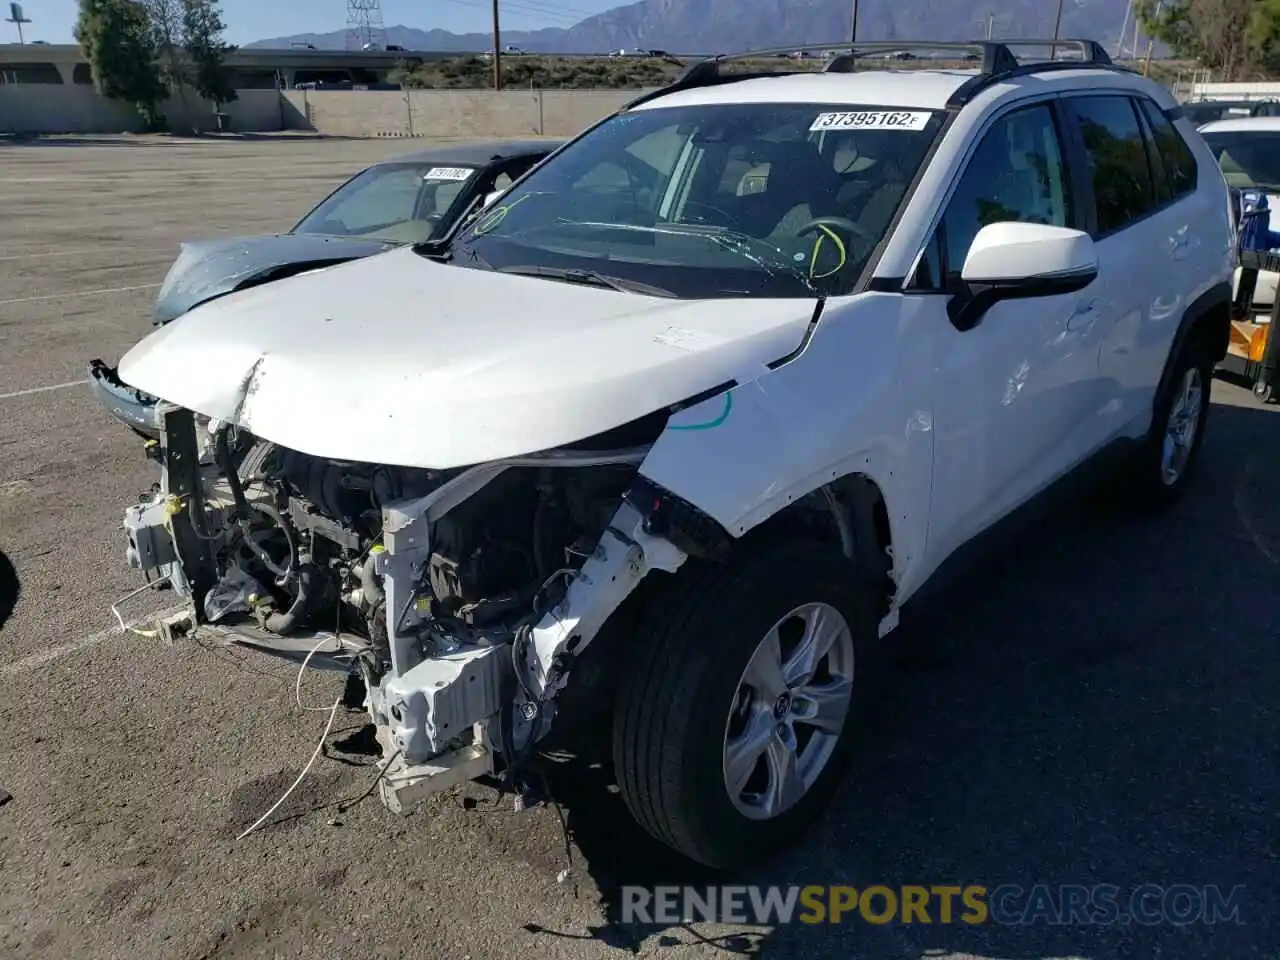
x=1091, y=51
x=996, y=57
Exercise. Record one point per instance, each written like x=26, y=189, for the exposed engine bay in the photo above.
x=460, y=598
x=307, y=557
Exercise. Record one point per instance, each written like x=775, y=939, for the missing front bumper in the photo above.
x=435, y=698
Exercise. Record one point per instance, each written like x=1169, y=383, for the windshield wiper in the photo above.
x=590, y=278
x=760, y=252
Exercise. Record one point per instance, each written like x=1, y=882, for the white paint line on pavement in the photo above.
x=80, y=293
x=31, y=390
x=37, y=660
x=57, y=180
x=46, y=254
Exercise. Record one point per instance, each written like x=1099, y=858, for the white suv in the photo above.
x=671, y=431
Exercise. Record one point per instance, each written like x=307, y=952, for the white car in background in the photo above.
x=1247, y=150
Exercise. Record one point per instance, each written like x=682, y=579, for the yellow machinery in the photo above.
x=1253, y=352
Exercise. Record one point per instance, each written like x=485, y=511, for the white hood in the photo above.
x=400, y=360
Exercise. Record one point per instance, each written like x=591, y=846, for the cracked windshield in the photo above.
x=765, y=200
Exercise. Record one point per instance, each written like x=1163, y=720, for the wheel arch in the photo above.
x=1207, y=319
x=851, y=512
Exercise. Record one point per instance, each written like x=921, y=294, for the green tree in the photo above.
x=202, y=36
x=1264, y=33
x=116, y=38
x=188, y=36
x=1230, y=36
x=165, y=17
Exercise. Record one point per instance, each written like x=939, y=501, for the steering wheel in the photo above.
x=842, y=224
x=829, y=227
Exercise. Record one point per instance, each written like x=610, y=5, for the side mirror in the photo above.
x=491, y=196
x=1011, y=261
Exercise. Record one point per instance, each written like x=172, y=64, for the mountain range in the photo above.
x=724, y=26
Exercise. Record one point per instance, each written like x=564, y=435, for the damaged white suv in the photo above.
x=671, y=432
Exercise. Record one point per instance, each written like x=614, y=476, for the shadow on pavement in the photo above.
x=10, y=588
x=1094, y=706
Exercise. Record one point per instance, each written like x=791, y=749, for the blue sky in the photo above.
x=249, y=20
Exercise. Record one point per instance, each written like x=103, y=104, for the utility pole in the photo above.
x=497, y=50
x=853, y=32
x=991, y=23
x=1057, y=26
x=1151, y=43
x=1124, y=28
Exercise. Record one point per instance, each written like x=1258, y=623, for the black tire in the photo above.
x=679, y=682
x=1148, y=489
x=1262, y=392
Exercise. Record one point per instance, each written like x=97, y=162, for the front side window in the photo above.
x=1248, y=158
x=1016, y=174
x=724, y=200
x=1123, y=187
x=402, y=203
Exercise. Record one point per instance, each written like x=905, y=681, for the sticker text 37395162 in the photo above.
x=872, y=120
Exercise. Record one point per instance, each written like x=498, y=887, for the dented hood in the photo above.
x=210, y=268
x=397, y=359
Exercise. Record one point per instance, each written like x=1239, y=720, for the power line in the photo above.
x=551, y=11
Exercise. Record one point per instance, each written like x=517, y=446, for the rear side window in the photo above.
x=1123, y=188
x=1175, y=156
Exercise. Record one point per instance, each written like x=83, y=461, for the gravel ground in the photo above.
x=1093, y=707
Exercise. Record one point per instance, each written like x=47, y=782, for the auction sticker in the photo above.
x=448, y=173
x=872, y=120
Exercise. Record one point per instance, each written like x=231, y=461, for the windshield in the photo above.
x=725, y=200
x=1248, y=158
x=402, y=203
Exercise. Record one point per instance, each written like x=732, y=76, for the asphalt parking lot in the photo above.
x=1096, y=707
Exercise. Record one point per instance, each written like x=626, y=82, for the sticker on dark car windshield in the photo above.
x=872, y=120
x=448, y=173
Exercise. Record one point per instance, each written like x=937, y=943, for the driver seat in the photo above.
x=803, y=184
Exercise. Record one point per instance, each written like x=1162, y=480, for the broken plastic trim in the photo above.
x=133, y=408
x=681, y=523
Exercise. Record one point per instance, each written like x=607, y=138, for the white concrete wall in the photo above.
x=1236, y=91
x=50, y=108
x=76, y=108
x=450, y=113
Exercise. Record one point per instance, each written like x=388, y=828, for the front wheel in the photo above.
x=1170, y=451
x=737, y=713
